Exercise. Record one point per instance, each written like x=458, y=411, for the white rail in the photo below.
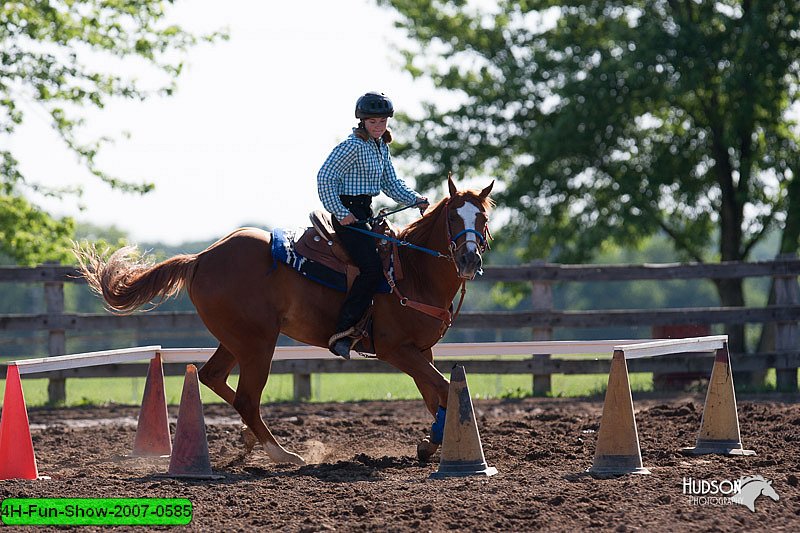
x=632, y=349
x=670, y=346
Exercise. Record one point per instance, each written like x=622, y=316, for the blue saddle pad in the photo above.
x=283, y=250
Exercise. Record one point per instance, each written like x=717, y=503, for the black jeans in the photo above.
x=361, y=249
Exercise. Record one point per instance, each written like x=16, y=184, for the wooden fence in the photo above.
x=542, y=320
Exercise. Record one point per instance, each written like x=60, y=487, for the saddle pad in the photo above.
x=283, y=250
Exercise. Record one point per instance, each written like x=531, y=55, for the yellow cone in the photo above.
x=617, y=450
x=719, y=429
x=462, y=452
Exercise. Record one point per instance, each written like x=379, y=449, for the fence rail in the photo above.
x=785, y=313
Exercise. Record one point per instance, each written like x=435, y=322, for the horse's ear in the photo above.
x=451, y=185
x=485, y=192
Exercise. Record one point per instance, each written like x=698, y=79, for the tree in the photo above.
x=63, y=57
x=609, y=121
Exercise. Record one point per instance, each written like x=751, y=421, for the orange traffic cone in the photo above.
x=17, y=460
x=719, y=429
x=462, y=451
x=617, y=450
x=152, y=431
x=190, y=453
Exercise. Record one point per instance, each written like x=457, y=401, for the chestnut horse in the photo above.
x=246, y=300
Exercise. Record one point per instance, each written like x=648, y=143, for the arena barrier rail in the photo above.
x=617, y=451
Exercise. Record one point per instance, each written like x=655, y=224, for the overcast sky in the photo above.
x=251, y=123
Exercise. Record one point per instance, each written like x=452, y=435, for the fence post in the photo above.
x=787, y=337
x=542, y=300
x=302, y=386
x=57, y=341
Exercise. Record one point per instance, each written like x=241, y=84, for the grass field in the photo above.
x=331, y=388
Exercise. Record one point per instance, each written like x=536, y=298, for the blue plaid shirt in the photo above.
x=356, y=167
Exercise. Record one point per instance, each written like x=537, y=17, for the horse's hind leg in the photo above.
x=214, y=373
x=253, y=374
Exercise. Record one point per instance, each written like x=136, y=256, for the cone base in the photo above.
x=459, y=469
x=617, y=464
x=191, y=476
x=718, y=447
x=610, y=471
x=134, y=455
x=38, y=477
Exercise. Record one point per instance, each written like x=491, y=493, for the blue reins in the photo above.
x=407, y=244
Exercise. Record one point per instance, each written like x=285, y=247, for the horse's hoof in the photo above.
x=248, y=439
x=294, y=459
x=426, y=449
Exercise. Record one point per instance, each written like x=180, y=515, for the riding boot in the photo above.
x=361, y=249
x=355, y=305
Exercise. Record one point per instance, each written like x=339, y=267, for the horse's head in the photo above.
x=467, y=221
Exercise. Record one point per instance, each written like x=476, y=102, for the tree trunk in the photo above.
x=731, y=294
x=790, y=245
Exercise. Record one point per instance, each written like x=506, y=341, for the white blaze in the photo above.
x=469, y=214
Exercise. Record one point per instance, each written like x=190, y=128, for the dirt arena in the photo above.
x=363, y=474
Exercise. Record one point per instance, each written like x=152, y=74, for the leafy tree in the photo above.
x=609, y=121
x=63, y=57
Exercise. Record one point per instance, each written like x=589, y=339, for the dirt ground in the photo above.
x=364, y=476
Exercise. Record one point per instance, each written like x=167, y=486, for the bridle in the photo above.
x=483, y=238
x=439, y=313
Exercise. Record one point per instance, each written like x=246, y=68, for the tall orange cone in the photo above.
x=189, y=457
x=462, y=451
x=719, y=429
x=152, y=430
x=17, y=460
x=617, y=450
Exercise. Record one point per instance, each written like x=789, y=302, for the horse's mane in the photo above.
x=419, y=231
x=750, y=479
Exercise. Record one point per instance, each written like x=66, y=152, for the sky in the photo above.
x=251, y=123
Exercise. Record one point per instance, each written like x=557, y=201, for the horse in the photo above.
x=751, y=487
x=245, y=299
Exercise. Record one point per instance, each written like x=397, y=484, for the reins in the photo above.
x=438, y=313
x=399, y=242
x=383, y=214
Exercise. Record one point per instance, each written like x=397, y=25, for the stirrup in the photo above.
x=337, y=338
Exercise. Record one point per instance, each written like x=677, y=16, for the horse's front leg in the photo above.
x=431, y=384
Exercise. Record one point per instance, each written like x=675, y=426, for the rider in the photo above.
x=355, y=171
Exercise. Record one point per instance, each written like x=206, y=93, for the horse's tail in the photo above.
x=127, y=282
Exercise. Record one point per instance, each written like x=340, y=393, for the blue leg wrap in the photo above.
x=437, y=428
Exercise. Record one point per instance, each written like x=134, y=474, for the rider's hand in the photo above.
x=422, y=204
x=349, y=219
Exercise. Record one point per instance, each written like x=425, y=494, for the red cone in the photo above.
x=152, y=430
x=17, y=460
x=190, y=453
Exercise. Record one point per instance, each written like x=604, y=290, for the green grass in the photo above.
x=332, y=388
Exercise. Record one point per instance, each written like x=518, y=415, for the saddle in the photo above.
x=320, y=243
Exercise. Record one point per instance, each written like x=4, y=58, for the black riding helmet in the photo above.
x=374, y=105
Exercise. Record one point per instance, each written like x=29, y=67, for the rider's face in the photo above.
x=376, y=126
